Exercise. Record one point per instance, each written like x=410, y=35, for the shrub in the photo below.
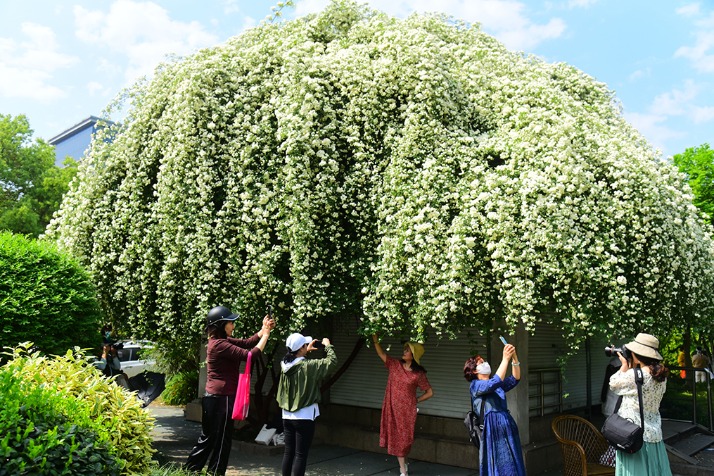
x=180, y=388
x=60, y=411
x=46, y=297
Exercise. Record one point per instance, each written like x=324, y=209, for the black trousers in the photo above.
x=216, y=437
x=298, y=438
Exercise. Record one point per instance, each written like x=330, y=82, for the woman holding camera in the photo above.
x=501, y=452
x=652, y=458
x=399, y=408
x=298, y=397
x=224, y=355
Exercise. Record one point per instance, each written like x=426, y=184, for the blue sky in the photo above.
x=64, y=60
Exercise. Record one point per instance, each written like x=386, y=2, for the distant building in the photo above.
x=74, y=141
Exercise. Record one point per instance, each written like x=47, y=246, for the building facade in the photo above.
x=74, y=142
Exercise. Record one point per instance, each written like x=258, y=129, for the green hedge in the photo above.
x=60, y=416
x=45, y=297
x=181, y=388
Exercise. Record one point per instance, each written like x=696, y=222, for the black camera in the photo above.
x=612, y=351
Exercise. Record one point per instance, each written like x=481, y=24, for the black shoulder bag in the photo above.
x=474, y=424
x=623, y=433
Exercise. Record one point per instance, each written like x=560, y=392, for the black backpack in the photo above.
x=474, y=424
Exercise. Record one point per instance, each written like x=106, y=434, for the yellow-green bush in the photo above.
x=71, y=401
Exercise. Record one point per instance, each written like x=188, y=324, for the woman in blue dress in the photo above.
x=501, y=453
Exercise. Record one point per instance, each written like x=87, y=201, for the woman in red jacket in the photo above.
x=223, y=360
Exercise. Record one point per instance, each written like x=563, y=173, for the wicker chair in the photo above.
x=585, y=450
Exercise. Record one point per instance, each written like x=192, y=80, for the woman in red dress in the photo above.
x=399, y=409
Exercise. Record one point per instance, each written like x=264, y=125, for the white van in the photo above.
x=132, y=358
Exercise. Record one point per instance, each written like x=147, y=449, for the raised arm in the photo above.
x=264, y=333
x=508, y=352
x=378, y=347
x=516, y=366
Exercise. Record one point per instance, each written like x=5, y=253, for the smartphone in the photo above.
x=503, y=339
x=269, y=311
x=318, y=345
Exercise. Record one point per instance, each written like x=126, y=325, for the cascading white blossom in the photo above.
x=413, y=173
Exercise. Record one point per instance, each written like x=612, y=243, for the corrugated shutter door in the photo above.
x=364, y=382
x=544, y=350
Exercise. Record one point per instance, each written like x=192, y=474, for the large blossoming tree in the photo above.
x=412, y=173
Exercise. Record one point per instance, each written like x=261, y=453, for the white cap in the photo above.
x=297, y=340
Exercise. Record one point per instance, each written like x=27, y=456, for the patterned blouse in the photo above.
x=623, y=383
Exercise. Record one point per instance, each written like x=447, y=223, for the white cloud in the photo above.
x=530, y=36
x=110, y=68
x=142, y=32
x=679, y=102
x=701, y=54
x=639, y=74
x=706, y=22
x=689, y=10
x=581, y=3
x=653, y=128
x=675, y=102
x=702, y=114
x=248, y=22
x=27, y=67
x=304, y=7
x=231, y=6
x=507, y=20
x=97, y=89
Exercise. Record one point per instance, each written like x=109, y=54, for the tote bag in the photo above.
x=242, y=403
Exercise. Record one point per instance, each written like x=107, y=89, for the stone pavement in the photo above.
x=174, y=437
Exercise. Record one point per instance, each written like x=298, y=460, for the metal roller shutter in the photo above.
x=364, y=382
x=546, y=346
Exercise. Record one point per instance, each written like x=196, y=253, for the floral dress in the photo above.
x=501, y=452
x=399, y=409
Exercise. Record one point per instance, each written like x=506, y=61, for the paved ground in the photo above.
x=174, y=437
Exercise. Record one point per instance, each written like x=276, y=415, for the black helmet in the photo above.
x=220, y=313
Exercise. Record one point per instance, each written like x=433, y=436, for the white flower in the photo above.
x=407, y=168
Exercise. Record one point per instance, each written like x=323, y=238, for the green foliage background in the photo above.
x=31, y=186
x=58, y=415
x=181, y=387
x=411, y=173
x=45, y=297
x=698, y=164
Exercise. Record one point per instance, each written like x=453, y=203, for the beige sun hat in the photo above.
x=645, y=345
x=417, y=350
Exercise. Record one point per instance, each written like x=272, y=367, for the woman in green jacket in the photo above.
x=298, y=397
